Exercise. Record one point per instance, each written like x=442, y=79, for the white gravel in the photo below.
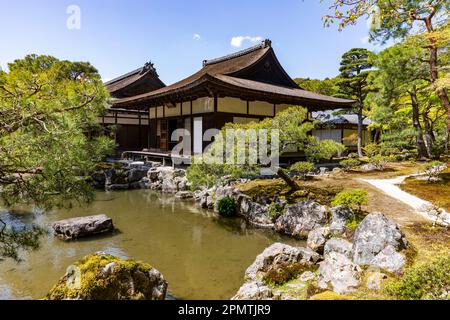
x=422, y=207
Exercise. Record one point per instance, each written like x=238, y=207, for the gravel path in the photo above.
x=422, y=207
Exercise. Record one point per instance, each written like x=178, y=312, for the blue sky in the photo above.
x=117, y=36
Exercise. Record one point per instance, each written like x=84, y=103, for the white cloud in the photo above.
x=196, y=36
x=237, y=41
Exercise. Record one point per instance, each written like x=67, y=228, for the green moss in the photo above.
x=353, y=222
x=330, y=295
x=423, y=282
x=94, y=284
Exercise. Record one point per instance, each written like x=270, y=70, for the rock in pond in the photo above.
x=82, y=227
x=302, y=217
x=105, y=277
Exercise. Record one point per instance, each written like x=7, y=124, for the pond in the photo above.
x=202, y=256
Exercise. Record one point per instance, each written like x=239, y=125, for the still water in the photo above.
x=201, y=255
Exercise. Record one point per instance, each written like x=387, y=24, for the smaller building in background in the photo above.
x=341, y=128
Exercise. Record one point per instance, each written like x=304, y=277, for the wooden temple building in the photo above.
x=245, y=86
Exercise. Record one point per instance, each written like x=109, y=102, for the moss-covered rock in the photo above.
x=106, y=277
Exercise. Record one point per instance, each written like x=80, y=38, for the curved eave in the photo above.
x=229, y=86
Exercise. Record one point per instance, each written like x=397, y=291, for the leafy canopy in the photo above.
x=48, y=108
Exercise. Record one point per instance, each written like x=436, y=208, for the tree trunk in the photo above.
x=289, y=181
x=360, y=130
x=429, y=134
x=443, y=97
x=421, y=148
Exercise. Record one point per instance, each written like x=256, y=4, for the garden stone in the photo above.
x=254, y=290
x=389, y=259
x=317, y=239
x=339, y=216
x=338, y=245
x=74, y=228
x=373, y=235
x=374, y=280
x=300, y=218
x=338, y=273
x=279, y=254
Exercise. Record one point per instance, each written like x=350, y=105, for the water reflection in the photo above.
x=201, y=255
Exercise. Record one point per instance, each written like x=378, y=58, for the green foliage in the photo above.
x=327, y=86
x=289, y=125
x=275, y=211
x=227, y=207
x=433, y=169
x=353, y=222
x=353, y=199
x=302, y=168
x=317, y=151
x=378, y=161
x=350, y=163
x=430, y=281
x=372, y=149
x=12, y=240
x=281, y=274
x=47, y=107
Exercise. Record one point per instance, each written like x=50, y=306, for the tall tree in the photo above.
x=395, y=19
x=355, y=68
x=46, y=108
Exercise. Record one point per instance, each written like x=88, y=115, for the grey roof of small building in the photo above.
x=333, y=117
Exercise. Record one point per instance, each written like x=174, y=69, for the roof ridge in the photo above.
x=148, y=66
x=264, y=44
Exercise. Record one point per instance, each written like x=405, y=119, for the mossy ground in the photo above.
x=426, y=242
x=437, y=193
x=94, y=285
x=276, y=188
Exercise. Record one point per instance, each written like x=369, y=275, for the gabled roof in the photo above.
x=139, y=81
x=252, y=73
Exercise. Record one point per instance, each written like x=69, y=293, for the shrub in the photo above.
x=302, y=168
x=323, y=150
x=227, y=207
x=372, y=149
x=433, y=169
x=281, y=274
x=353, y=199
x=350, y=163
x=275, y=211
x=378, y=161
x=424, y=282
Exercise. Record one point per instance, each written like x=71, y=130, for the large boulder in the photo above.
x=338, y=273
x=105, y=277
x=317, y=239
x=279, y=254
x=255, y=213
x=74, y=228
x=339, y=215
x=338, y=245
x=302, y=217
x=136, y=174
x=372, y=237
